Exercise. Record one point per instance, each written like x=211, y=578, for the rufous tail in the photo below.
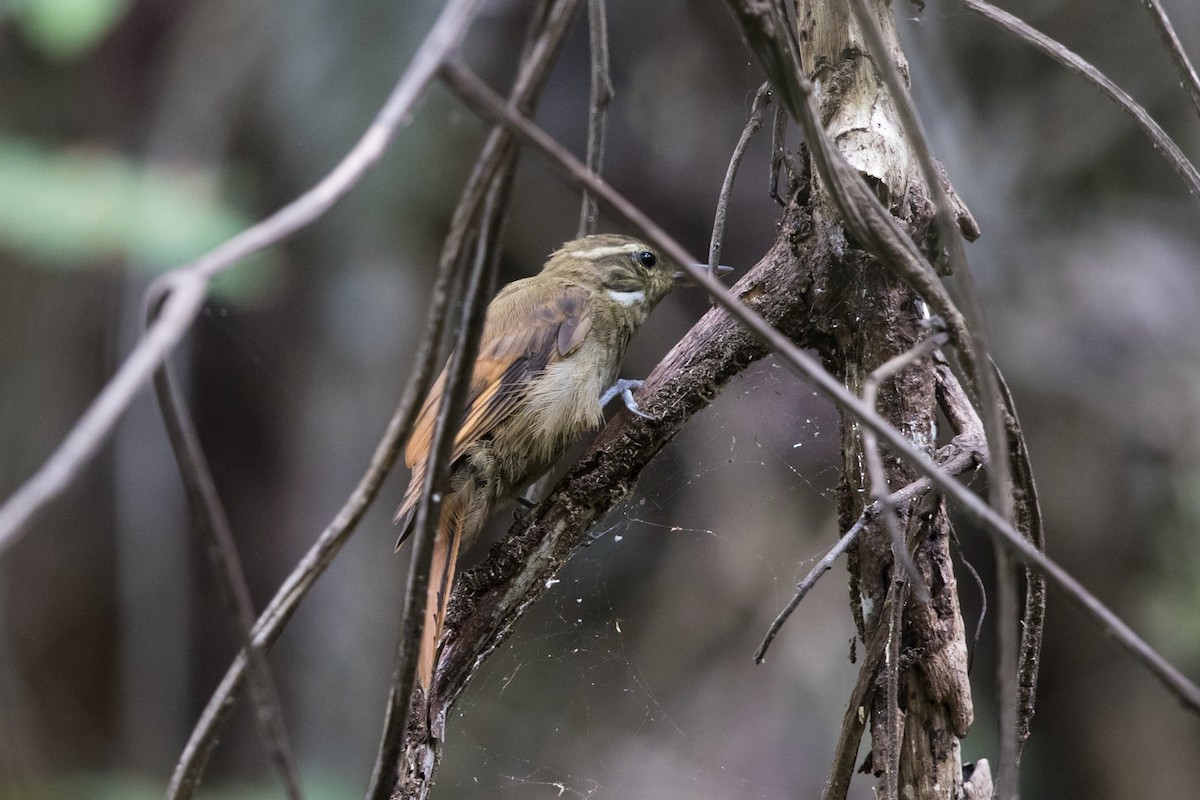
x=441, y=582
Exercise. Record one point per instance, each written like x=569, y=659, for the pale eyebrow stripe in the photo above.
x=611, y=250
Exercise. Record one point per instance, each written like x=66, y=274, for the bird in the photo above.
x=549, y=356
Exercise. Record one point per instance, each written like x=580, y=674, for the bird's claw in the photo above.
x=625, y=387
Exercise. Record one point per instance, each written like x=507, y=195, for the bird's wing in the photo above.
x=530, y=325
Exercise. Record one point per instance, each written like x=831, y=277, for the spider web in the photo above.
x=633, y=676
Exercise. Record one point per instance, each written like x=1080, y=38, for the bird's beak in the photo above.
x=682, y=277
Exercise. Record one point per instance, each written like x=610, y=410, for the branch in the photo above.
x=231, y=579
x=761, y=99
x=1062, y=55
x=1166, y=31
x=602, y=95
x=186, y=286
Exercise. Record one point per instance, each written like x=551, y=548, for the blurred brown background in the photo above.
x=135, y=133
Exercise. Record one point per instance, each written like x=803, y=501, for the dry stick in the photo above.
x=761, y=99
x=412, y=617
x=778, y=152
x=854, y=720
x=231, y=579
x=437, y=478
x=1029, y=520
x=483, y=101
x=879, y=487
x=1007, y=778
x=992, y=413
x=1069, y=59
x=602, y=95
x=891, y=679
x=965, y=452
x=188, y=284
x=477, y=216
x=1187, y=73
x=279, y=611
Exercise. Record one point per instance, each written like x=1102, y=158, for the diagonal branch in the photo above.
x=1166, y=31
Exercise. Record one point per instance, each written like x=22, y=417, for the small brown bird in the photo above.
x=548, y=359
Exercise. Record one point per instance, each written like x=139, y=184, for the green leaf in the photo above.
x=89, y=209
x=67, y=29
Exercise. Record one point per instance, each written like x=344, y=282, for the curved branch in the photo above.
x=188, y=284
x=1062, y=55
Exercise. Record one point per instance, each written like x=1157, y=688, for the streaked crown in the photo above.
x=629, y=270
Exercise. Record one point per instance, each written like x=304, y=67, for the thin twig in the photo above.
x=601, y=96
x=1028, y=520
x=231, y=578
x=861, y=697
x=1069, y=59
x=761, y=99
x=188, y=285
x=1006, y=671
x=1187, y=73
x=891, y=681
x=480, y=98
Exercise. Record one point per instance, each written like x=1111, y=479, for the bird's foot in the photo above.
x=521, y=512
x=625, y=387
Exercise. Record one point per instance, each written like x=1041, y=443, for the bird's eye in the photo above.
x=647, y=259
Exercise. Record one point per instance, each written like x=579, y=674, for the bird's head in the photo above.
x=627, y=271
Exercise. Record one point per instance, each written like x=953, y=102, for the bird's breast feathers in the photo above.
x=564, y=400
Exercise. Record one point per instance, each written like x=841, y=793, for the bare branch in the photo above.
x=1006, y=671
x=1187, y=73
x=601, y=96
x=1062, y=55
x=187, y=285
x=231, y=579
x=485, y=102
x=761, y=98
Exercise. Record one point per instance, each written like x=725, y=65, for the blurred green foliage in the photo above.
x=66, y=29
x=86, y=208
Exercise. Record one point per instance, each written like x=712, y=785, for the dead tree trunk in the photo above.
x=870, y=317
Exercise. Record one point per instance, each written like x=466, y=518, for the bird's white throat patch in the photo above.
x=627, y=298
